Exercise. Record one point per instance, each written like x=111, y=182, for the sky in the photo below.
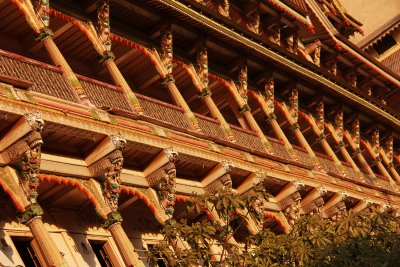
x=371, y=13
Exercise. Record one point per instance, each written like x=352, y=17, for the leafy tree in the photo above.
x=369, y=238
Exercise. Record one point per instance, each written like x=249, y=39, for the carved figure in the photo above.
x=269, y=93
x=292, y=212
x=375, y=141
x=242, y=82
x=103, y=22
x=167, y=191
x=112, y=183
x=42, y=8
x=338, y=121
x=320, y=116
x=356, y=133
x=294, y=104
x=254, y=22
x=30, y=167
x=389, y=149
x=223, y=8
x=331, y=65
x=166, y=53
x=35, y=120
x=202, y=66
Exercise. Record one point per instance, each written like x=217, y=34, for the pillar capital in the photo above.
x=105, y=163
x=31, y=212
x=112, y=218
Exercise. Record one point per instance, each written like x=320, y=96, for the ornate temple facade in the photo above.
x=113, y=112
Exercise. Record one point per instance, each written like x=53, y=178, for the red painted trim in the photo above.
x=14, y=198
x=30, y=61
x=277, y=219
x=142, y=197
x=69, y=182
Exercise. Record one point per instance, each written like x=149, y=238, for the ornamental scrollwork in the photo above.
x=320, y=112
x=269, y=94
x=242, y=82
x=103, y=22
x=166, y=51
x=202, y=65
x=294, y=104
x=112, y=182
x=42, y=8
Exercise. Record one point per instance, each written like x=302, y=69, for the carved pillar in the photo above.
x=354, y=141
x=38, y=19
x=318, y=125
x=373, y=150
x=160, y=175
x=253, y=22
x=165, y=56
x=291, y=113
x=336, y=131
x=22, y=148
x=223, y=8
x=387, y=156
x=266, y=99
x=291, y=207
x=201, y=83
x=245, y=109
x=105, y=163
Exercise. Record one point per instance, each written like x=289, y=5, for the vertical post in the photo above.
x=38, y=19
x=32, y=217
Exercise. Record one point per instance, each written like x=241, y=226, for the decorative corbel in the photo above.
x=291, y=207
x=314, y=207
x=331, y=65
x=375, y=142
x=351, y=77
x=202, y=66
x=335, y=213
x=161, y=174
x=42, y=8
x=319, y=116
x=338, y=124
x=253, y=22
x=294, y=104
x=314, y=50
x=223, y=8
x=269, y=93
x=313, y=195
x=274, y=33
x=334, y=200
x=166, y=52
x=242, y=82
x=356, y=134
x=105, y=163
x=219, y=178
x=103, y=23
x=389, y=149
x=21, y=146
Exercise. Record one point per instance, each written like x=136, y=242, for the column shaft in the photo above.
x=124, y=245
x=47, y=246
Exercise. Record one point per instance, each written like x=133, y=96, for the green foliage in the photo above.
x=365, y=239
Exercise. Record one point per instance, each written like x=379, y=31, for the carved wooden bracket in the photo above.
x=21, y=146
x=105, y=163
x=161, y=177
x=219, y=178
x=314, y=206
x=291, y=207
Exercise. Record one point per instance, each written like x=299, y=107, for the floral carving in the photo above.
x=42, y=8
x=320, y=116
x=338, y=122
x=202, y=65
x=119, y=141
x=167, y=191
x=166, y=52
x=35, y=120
x=375, y=142
x=294, y=104
x=103, y=22
x=356, y=133
x=331, y=65
x=112, y=182
x=223, y=8
x=254, y=22
x=269, y=93
x=242, y=82
x=389, y=149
